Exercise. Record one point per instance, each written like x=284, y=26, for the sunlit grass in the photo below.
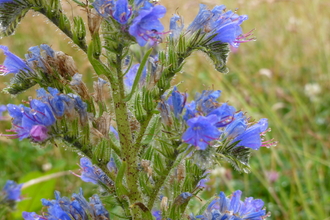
x=267, y=78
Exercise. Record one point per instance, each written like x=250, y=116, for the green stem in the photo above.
x=128, y=150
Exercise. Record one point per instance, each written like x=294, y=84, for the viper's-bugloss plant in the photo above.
x=147, y=145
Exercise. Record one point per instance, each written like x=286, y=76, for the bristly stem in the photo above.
x=128, y=150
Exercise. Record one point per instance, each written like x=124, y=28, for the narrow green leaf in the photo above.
x=138, y=74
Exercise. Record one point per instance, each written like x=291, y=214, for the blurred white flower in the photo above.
x=312, y=90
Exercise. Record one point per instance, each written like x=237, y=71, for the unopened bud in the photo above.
x=99, y=89
x=163, y=204
x=39, y=133
x=103, y=124
x=65, y=65
x=79, y=86
x=94, y=21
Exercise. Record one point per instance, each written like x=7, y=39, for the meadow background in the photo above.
x=284, y=76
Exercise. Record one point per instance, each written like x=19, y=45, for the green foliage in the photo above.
x=236, y=155
x=11, y=14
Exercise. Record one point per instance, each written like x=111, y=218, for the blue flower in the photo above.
x=201, y=19
x=3, y=108
x=103, y=7
x=119, y=10
x=54, y=99
x=36, y=57
x=157, y=214
x=93, y=174
x=12, y=191
x=176, y=28
x=191, y=111
x=165, y=111
x=206, y=102
x=146, y=26
x=75, y=208
x=201, y=131
x=177, y=101
x=235, y=209
x=122, y=12
x=225, y=24
x=114, y=131
x=111, y=165
x=31, y=122
x=131, y=74
x=34, y=122
x=5, y=1
x=32, y=216
x=12, y=63
x=251, y=137
x=245, y=135
x=225, y=114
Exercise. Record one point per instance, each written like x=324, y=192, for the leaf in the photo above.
x=33, y=194
x=120, y=188
x=21, y=82
x=218, y=52
x=11, y=13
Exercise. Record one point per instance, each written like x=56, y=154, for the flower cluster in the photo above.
x=34, y=122
x=233, y=208
x=141, y=18
x=225, y=24
x=39, y=59
x=75, y=208
x=209, y=120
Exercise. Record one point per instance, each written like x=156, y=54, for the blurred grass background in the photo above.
x=283, y=76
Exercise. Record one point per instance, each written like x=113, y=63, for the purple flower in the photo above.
x=201, y=131
x=12, y=63
x=233, y=208
x=31, y=122
x=146, y=26
x=12, y=191
x=39, y=133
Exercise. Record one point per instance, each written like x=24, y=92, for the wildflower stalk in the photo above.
x=128, y=151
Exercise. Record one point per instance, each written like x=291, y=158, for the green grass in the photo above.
x=293, y=43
